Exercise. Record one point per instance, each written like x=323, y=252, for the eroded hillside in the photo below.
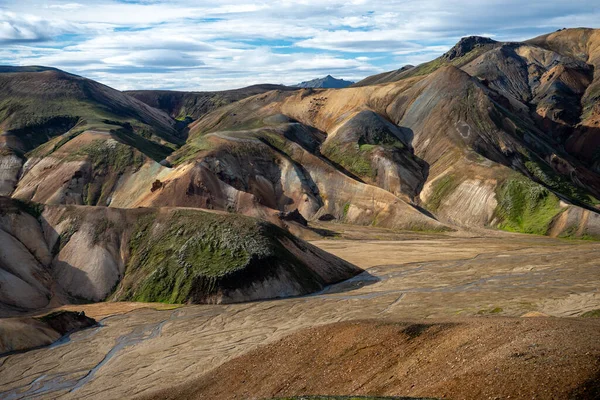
x=53, y=255
x=491, y=134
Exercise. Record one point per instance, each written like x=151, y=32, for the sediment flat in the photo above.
x=408, y=279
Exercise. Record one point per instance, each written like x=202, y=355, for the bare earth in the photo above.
x=409, y=277
x=483, y=358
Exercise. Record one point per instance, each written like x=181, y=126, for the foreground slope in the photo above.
x=464, y=359
x=55, y=255
x=422, y=278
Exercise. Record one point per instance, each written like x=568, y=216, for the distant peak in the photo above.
x=328, y=82
x=466, y=44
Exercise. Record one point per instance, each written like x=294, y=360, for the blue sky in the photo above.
x=214, y=45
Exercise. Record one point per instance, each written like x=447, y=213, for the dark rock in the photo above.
x=156, y=185
x=326, y=217
x=65, y=322
x=465, y=45
x=293, y=216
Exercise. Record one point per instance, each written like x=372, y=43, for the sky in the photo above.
x=217, y=45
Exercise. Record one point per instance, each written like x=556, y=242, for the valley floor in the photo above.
x=410, y=278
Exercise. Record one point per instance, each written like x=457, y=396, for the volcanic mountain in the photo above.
x=489, y=135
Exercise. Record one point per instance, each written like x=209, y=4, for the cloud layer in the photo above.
x=212, y=45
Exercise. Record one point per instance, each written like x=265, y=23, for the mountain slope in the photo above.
x=328, y=82
x=37, y=104
x=52, y=255
x=59, y=130
x=463, y=52
x=480, y=152
x=384, y=77
x=584, y=46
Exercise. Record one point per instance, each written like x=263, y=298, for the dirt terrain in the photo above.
x=482, y=358
x=409, y=278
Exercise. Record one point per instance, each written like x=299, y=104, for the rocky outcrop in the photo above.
x=25, y=333
x=466, y=45
x=293, y=216
x=10, y=167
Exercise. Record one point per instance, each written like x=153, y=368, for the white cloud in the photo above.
x=216, y=44
x=67, y=6
x=154, y=58
x=359, y=41
x=16, y=28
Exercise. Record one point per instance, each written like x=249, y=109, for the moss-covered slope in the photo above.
x=58, y=124
x=184, y=256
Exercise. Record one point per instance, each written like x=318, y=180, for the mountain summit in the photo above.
x=466, y=45
x=328, y=82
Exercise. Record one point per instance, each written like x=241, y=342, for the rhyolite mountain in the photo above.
x=501, y=135
x=189, y=106
x=328, y=82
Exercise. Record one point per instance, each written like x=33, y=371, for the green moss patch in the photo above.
x=558, y=183
x=525, y=206
x=29, y=207
x=346, y=209
x=110, y=159
x=193, y=255
x=113, y=155
x=352, y=157
x=591, y=314
x=191, y=150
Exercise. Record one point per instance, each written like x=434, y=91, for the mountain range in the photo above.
x=491, y=135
